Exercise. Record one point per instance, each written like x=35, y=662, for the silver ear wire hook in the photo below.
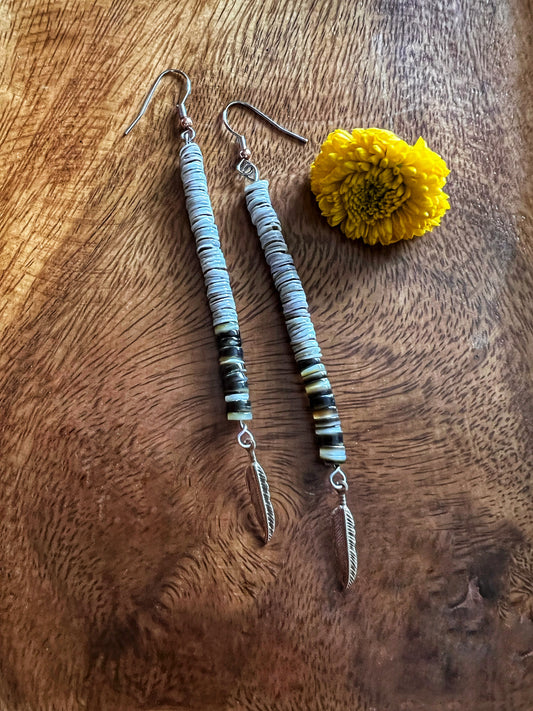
x=245, y=166
x=185, y=122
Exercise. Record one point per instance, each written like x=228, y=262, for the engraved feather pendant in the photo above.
x=344, y=534
x=260, y=495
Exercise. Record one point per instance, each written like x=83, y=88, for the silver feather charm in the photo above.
x=344, y=534
x=260, y=495
x=258, y=486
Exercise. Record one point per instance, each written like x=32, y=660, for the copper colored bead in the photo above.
x=185, y=122
x=246, y=154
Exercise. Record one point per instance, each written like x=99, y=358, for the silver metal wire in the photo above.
x=245, y=438
x=245, y=167
x=338, y=480
x=189, y=133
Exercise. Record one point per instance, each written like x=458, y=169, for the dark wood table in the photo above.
x=130, y=573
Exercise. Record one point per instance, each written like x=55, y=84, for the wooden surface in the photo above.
x=130, y=575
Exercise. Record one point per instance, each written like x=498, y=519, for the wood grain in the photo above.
x=130, y=573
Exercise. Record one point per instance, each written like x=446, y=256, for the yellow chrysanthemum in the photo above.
x=378, y=187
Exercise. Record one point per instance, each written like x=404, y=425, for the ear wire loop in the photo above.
x=221, y=304
x=304, y=344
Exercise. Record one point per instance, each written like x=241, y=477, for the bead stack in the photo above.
x=233, y=371
x=326, y=418
x=218, y=288
x=299, y=325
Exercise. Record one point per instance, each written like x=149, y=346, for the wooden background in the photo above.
x=130, y=575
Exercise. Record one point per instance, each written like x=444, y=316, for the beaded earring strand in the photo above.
x=221, y=302
x=303, y=341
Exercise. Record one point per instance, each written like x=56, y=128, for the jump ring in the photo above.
x=249, y=442
x=338, y=480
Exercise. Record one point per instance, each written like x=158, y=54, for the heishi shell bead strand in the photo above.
x=299, y=325
x=217, y=283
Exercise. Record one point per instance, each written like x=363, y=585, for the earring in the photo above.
x=221, y=302
x=303, y=341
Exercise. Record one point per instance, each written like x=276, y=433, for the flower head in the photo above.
x=378, y=187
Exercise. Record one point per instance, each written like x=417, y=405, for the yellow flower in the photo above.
x=378, y=187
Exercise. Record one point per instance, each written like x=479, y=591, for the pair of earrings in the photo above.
x=226, y=325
